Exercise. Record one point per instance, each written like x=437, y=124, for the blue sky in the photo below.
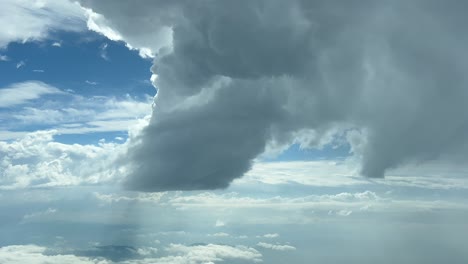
x=241, y=157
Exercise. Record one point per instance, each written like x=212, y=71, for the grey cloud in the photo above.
x=241, y=74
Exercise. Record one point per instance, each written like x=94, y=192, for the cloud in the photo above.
x=4, y=58
x=140, y=197
x=36, y=254
x=274, y=235
x=37, y=161
x=20, y=64
x=57, y=44
x=220, y=223
x=219, y=234
x=25, y=20
x=91, y=82
x=20, y=93
x=234, y=78
x=147, y=43
x=80, y=116
x=210, y=253
x=276, y=247
x=38, y=215
x=178, y=254
x=103, y=51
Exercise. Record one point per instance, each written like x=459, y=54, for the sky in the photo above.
x=200, y=132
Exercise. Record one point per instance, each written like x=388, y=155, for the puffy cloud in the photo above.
x=25, y=20
x=38, y=161
x=235, y=78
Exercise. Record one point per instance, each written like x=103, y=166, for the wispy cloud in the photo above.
x=103, y=51
x=24, y=20
x=91, y=82
x=276, y=246
x=20, y=64
x=20, y=93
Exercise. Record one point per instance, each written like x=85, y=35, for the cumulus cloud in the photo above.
x=234, y=79
x=37, y=161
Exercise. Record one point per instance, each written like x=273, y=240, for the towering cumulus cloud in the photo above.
x=234, y=76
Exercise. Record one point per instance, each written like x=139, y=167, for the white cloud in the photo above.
x=36, y=160
x=178, y=254
x=98, y=23
x=57, y=44
x=20, y=64
x=4, y=58
x=219, y=234
x=219, y=223
x=25, y=20
x=276, y=246
x=147, y=44
x=210, y=253
x=39, y=71
x=91, y=82
x=81, y=115
x=332, y=173
x=33, y=254
x=274, y=235
x=139, y=197
x=103, y=51
x=20, y=93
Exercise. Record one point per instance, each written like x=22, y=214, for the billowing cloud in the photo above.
x=237, y=76
x=36, y=160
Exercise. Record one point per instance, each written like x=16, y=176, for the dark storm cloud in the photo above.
x=240, y=74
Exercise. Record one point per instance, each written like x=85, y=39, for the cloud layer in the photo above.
x=237, y=76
